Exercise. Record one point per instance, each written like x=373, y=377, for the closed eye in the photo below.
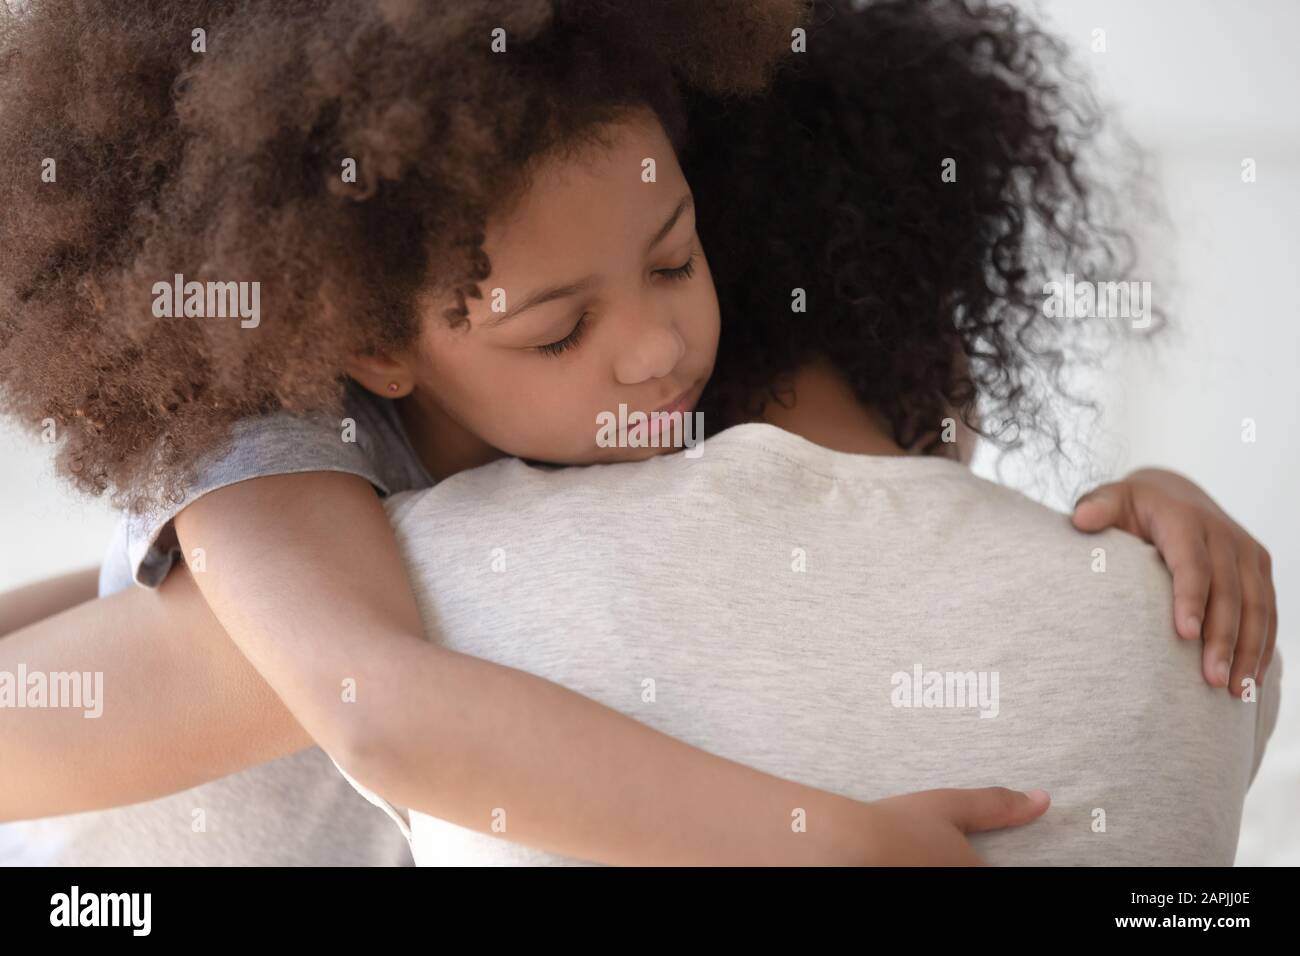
x=568, y=342
x=684, y=271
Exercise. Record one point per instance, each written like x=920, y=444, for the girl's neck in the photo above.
x=443, y=445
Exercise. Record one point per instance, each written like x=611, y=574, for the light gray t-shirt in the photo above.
x=293, y=811
x=867, y=625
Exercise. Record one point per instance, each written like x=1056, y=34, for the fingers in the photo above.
x=1104, y=507
x=1223, y=617
x=991, y=808
x=1223, y=583
x=1270, y=641
x=1183, y=548
x=1252, y=632
x=1175, y=531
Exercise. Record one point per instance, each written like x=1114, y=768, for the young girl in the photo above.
x=448, y=136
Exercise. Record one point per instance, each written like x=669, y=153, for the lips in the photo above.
x=682, y=403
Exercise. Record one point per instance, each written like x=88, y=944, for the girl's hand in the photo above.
x=929, y=828
x=1223, y=578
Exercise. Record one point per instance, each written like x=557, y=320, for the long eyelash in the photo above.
x=568, y=342
x=681, y=272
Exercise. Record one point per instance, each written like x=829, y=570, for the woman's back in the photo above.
x=867, y=625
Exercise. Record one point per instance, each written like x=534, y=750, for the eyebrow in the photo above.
x=683, y=204
x=581, y=285
x=544, y=296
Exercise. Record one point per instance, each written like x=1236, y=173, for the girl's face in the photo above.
x=599, y=295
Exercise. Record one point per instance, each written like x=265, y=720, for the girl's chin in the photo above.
x=636, y=454
x=603, y=456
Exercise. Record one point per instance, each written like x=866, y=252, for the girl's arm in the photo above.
x=181, y=706
x=40, y=600
x=303, y=571
x=178, y=705
x=212, y=715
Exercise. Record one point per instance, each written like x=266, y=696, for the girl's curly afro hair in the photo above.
x=926, y=291
x=207, y=138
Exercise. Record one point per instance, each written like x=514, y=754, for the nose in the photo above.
x=652, y=350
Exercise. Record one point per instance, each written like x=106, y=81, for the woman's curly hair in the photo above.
x=927, y=294
x=218, y=155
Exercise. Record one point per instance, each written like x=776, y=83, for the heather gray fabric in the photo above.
x=780, y=596
x=146, y=547
x=289, y=812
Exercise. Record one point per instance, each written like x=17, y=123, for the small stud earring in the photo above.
x=392, y=386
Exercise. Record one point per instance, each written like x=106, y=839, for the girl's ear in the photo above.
x=381, y=374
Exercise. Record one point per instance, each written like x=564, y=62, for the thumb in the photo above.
x=993, y=808
x=1100, y=508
